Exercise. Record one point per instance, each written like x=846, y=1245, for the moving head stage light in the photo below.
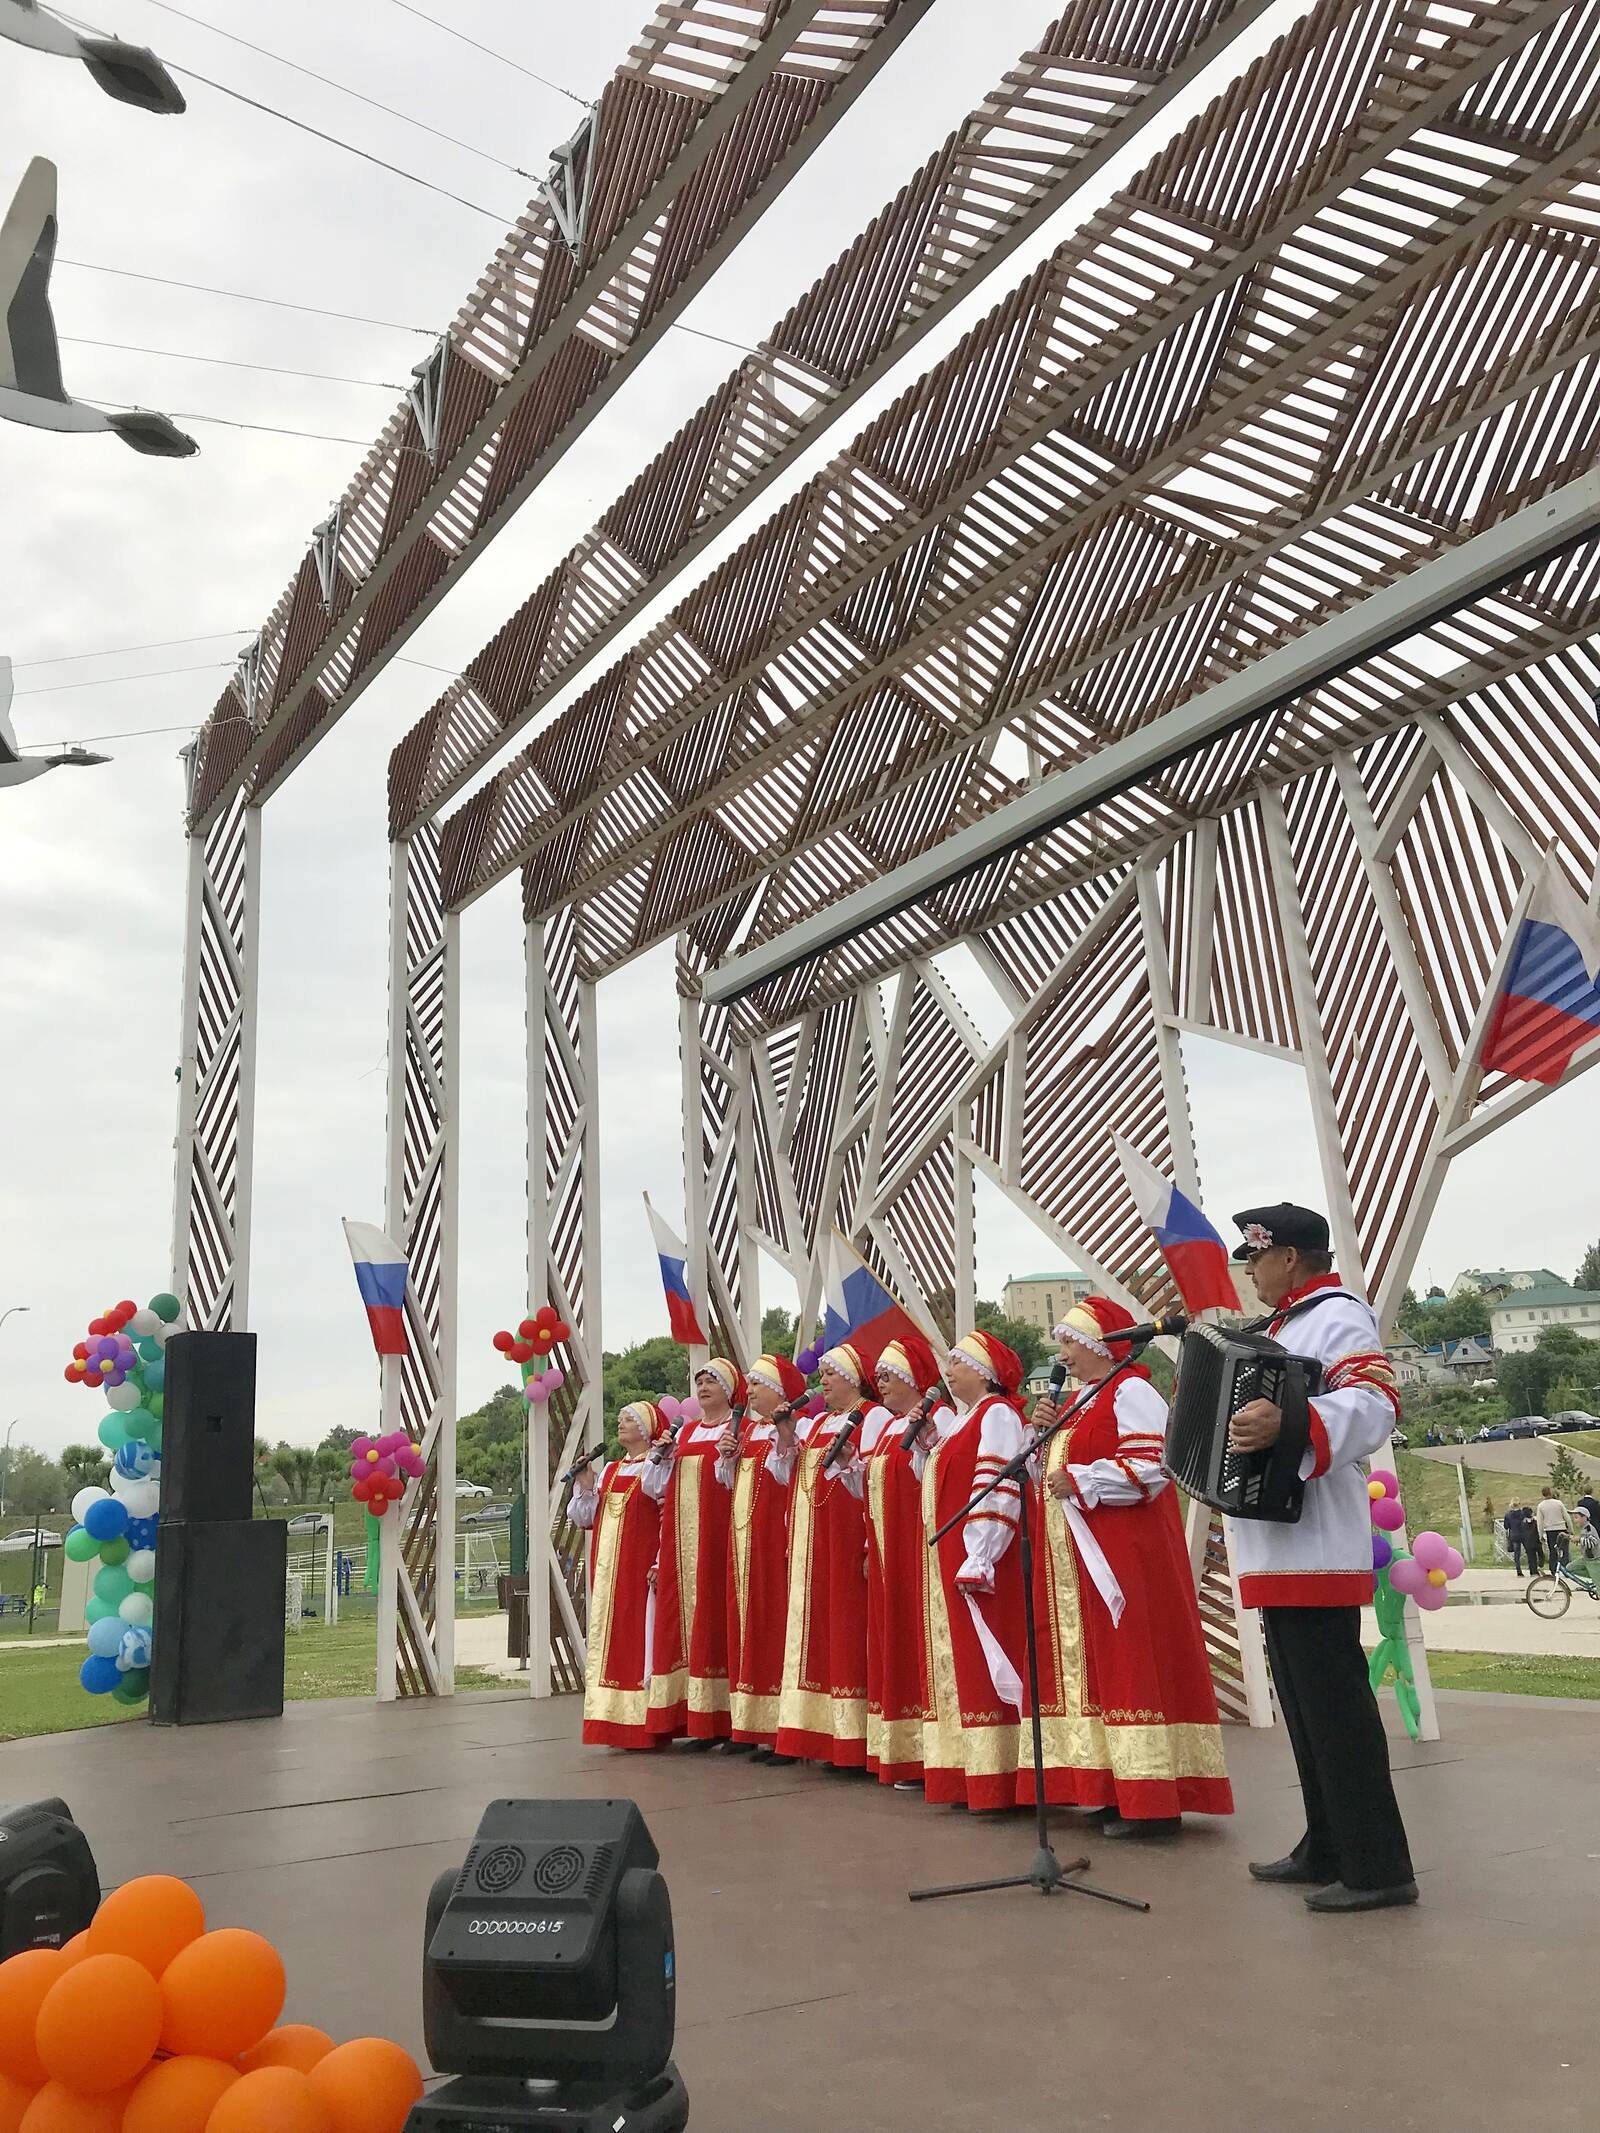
x=49, y=1889
x=548, y=1978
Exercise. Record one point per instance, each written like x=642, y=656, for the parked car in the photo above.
x=472, y=1488
x=1497, y=1435
x=494, y=1514
x=20, y=1543
x=1525, y=1426
x=306, y=1522
x=1573, y=1418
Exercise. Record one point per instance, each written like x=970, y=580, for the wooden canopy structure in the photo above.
x=1207, y=644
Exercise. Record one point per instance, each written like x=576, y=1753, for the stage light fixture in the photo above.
x=548, y=1982
x=49, y=1888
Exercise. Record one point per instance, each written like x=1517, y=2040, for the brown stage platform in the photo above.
x=813, y=1996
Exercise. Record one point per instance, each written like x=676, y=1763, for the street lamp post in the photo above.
x=5, y=1469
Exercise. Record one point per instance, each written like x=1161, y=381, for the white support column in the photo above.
x=694, y=1164
x=744, y=1157
x=538, y=1440
x=444, y=1629
x=1169, y=1046
x=214, y=1145
x=966, y=1239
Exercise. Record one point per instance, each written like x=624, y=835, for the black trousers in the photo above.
x=1353, y=1829
x=1556, y=1544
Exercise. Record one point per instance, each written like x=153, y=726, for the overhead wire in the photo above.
x=268, y=429
x=247, y=296
x=342, y=88
x=54, y=688
x=120, y=651
x=275, y=370
x=504, y=58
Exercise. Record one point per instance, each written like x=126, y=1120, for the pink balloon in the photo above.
x=671, y=1406
x=555, y=1377
x=1408, y=1576
x=689, y=1411
x=1430, y=1550
x=1432, y=1597
x=1453, y=1563
x=538, y=1391
x=1386, y=1512
x=1391, y=1482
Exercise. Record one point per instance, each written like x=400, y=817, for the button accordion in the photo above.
x=1220, y=1370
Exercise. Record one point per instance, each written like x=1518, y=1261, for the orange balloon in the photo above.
x=15, y=2098
x=296, y=2044
x=99, y=2024
x=24, y=1981
x=149, y=1919
x=177, y=2096
x=58, y=2109
x=274, y=2099
x=368, y=2085
x=77, y=1948
x=221, y=1994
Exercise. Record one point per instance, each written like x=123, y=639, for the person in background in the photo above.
x=1518, y=1539
x=624, y=1525
x=1555, y=1527
x=1590, y=1505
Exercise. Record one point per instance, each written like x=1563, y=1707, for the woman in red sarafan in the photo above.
x=822, y=1712
x=689, y=1679
x=975, y=1637
x=624, y=1526
x=756, y=1465
x=1129, y=1715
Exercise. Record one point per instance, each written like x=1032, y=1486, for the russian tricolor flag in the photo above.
x=381, y=1277
x=682, y=1316
x=1196, y=1256
x=1548, y=1006
x=856, y=1307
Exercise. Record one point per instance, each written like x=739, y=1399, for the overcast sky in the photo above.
x=100, y=548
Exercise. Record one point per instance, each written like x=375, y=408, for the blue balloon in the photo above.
x=106, y=1520
x=105, y=1637
x=136, y=1459
x=142, y=1532
x=134, y=1649
x=99, y=1676
x=154, y=1375
x=149, y=1351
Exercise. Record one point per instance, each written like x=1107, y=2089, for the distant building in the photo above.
x=1409, y=1359
x=1504, y=1280
x=1043, y=1300
x=1517, y=1321
x=1468, y=1360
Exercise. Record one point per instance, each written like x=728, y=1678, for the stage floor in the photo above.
x=813, y=1996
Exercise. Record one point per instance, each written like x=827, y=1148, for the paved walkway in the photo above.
x=1512, y=1455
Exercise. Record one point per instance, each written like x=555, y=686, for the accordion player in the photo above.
x=1220, y=1370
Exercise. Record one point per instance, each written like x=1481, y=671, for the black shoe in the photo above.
x=1151, y=1826
x=778, y=1762
x=1338, y=1898
x=759, y=1754
x=1290, y=1869
x=695, y=1746
x=736, y=1747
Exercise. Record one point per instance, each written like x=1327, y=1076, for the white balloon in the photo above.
x=140, y=1499
x=83, y=1499
x=138, y=1608
x=141, y=1567
x=160, y=1330
x=123, y=1396
x=142, y=1325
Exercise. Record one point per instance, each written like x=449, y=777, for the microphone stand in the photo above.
x=1046, y=1874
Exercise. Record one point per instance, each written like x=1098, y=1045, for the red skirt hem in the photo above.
x=1135, y=1800
x=822, y=1748
x=954, y=1788
x=896, y=1773
x=708, y=1725
x=606, y=1733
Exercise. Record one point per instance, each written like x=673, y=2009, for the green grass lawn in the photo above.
x=39, y=1691
x=1513, y=1673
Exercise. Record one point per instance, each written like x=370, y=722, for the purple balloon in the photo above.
x=1382, y=1553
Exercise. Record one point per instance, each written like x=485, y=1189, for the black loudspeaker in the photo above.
x=208, y=1426
x=217, y=1652
x=49, y=1889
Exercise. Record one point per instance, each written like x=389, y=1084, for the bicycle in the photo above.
x=1550, y=1593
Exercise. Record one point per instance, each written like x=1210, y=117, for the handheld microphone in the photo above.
x=587, y=1460
x=919, y=1417
x=1153, y=1329
x=847, y=1428
x=1058, y=1379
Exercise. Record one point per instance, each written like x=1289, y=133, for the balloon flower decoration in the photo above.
x=380, y=1468
x=115, y=1527
x=680, y=1412
x=1421, y=1573
x=808, y=1359
x=147, y=2023
x=530, y=1347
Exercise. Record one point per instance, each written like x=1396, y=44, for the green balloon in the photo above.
x=150, y=1350
x=116, y=1551
x=139, y=1421
x=152, y=1433
x=96, y=1610
x=166, y=1307
x=157, y=1403
x=112, y=1585
x=134, y=1686
x=113, y=1430
x=82, y=1547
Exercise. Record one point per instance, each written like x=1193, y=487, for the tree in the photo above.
x=85, y=1466
x=340, y=1439
x=1588, y=1274
x=34, y=1484
x=295, y=1466
x=777, y=1331
x=1412, y=1317
x=491, y=1443
x=645, y=1371
x=332, y=1472
x=1566, y=1476
x=1526, y=1379
x=1458, y=1318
